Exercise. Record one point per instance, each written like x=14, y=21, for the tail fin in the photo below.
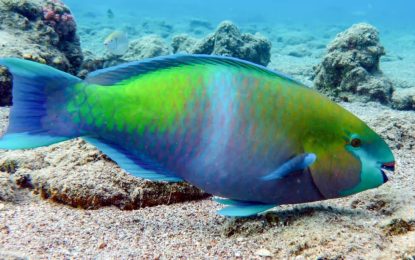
x=37, y=117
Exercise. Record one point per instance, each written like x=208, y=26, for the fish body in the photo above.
x=232, y=128
x=216, y=126
x=116, y=43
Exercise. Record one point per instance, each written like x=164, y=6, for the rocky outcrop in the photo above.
x=350, y=69
x=227, y=40
x=77, y=174
x=40, y=30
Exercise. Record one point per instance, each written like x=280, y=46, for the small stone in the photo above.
x=263, y=252
x=27, y=56
x=102, y=245
x=2, y=206
x=5, y=230
x=40, y=60
x=57, y=60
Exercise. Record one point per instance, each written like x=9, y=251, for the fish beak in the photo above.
x=389, y=167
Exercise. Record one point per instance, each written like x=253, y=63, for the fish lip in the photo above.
x=389, y=166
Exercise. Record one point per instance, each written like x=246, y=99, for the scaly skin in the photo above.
x=222, y=127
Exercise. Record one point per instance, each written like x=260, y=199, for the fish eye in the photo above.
x=356, y=142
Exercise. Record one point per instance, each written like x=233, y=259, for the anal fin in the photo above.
x=13, y=141
x=131, y=163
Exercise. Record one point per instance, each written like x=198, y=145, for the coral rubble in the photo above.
x=350, y=70
x=40, y=30
x=8, y=188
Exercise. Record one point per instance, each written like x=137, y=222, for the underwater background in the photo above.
x=388, y=14
x=69, y=201
x=287, y=24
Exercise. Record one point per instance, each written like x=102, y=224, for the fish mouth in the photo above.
x=390, y=166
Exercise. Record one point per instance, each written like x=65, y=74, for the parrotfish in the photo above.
x=253, y=137
x=117, y=43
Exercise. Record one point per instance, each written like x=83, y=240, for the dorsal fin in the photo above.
x=112, y=75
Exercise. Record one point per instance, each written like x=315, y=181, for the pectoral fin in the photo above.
x=299, y=162
x=236, y=208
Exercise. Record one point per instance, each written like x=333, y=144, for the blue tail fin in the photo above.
x=37, y=117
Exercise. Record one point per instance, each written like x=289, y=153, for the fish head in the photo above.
x=352, y=160
x=110, y=39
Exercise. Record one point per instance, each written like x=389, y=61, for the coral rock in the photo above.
x=183, y=43
x=404, y=99
x=77, y=174
x=40, y=30
x=91, y=63
x=146, y=47
x=350, y=69
x=227, y=41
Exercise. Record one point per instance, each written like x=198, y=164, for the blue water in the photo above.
x=382, y=13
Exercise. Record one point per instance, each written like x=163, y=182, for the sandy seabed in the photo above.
x=379, y=223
